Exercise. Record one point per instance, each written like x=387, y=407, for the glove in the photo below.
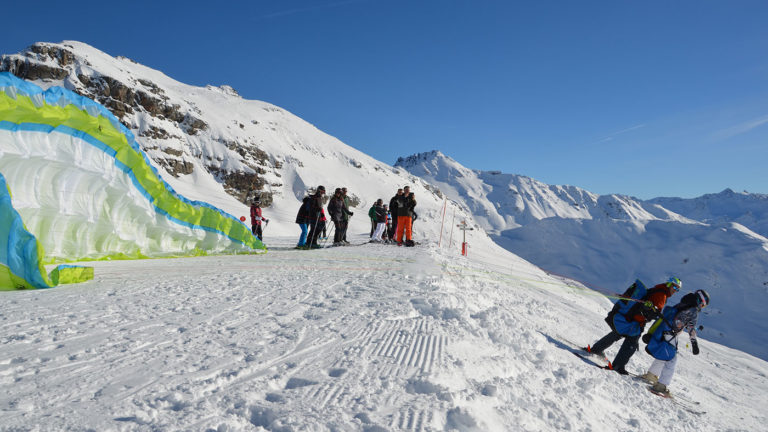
x=646, y=338
x=351, y=213
x=649, y=311
x=695, y=347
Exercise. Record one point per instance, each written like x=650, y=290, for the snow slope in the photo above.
x=212, y=145
x=715, y=242
x=369, y=338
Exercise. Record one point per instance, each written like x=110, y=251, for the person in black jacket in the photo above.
x=381, y=221
x=336, y=213
x=302, y=218
x=393, y=211
x=316, y=217
x=405, y=204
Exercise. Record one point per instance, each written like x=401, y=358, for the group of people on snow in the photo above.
x=628, y=318
x=387, y=222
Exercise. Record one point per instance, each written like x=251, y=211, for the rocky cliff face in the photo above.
x=163, y=125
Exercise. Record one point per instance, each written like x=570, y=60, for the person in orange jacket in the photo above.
x=629, y=325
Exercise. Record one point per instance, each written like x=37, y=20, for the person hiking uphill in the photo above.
x=256, y=219
x=628, y=317
x=662, y=338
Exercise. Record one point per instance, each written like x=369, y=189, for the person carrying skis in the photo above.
x=381, y=221
x=316, y=217
x=662, y=338
x=628, y=317
x=302, y=218
x=256, y=219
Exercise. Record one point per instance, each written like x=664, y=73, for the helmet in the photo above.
x=702, y=298
x=675, y=283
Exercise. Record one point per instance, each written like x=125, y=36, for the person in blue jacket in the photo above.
x=628, y=318
x=662, y=338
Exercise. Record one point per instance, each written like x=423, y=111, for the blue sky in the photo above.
x=652, y=98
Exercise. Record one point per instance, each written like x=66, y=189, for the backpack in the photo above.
x=658, y=346
x=636, y=291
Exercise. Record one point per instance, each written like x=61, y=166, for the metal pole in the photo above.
x=439, y=242
x=450, y=245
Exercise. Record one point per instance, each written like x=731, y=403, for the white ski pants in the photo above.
x=380, y=227
x=664, y=369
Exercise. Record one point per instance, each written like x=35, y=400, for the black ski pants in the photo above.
x=627, y=350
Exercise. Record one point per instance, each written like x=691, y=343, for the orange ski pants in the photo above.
x=404, y=224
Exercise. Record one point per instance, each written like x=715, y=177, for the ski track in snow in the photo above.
x=367, y=338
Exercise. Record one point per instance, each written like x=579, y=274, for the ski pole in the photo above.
x=330, y=231
x=312, y=238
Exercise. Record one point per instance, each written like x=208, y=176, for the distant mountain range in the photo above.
x=716, y=242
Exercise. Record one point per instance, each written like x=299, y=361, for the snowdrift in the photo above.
x=78, y=183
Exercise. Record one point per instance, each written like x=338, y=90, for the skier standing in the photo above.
x=662, y=338
x=302, y=218
x=316, y=217
x=336, y=213
x=628, y=320
x=256, y=218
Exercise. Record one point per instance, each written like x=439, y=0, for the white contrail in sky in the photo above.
x=623, y=131
x=742, y=128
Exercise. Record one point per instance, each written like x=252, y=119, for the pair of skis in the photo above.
x=603, y=363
